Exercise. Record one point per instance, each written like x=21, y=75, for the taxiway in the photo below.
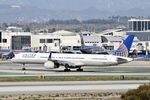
x=68, y=87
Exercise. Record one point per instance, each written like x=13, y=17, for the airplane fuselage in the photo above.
x=79, y=59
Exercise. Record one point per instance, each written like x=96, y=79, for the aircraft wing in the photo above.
x=70, y=63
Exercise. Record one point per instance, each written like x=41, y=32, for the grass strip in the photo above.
x=69, y=78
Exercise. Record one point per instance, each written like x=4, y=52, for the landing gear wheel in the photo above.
x=67, y=70
x=23, y=68
x=80, y=70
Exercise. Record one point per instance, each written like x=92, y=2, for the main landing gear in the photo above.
x=66, y=68
x=79, y=69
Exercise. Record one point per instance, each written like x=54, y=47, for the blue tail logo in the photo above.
x=124, y=49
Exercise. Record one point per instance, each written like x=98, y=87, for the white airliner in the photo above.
x=54, y=60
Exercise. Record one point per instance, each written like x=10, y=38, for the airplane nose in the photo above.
x=13, y=60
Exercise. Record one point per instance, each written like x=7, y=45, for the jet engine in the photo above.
x=51, y=65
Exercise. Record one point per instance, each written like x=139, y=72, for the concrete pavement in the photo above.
x=68, y=87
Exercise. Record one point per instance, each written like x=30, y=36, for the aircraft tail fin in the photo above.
x=124, y=48
x=82, y=40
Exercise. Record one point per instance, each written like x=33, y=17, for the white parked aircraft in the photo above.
x=54, y=60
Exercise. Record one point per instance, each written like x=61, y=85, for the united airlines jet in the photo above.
x=54, y=60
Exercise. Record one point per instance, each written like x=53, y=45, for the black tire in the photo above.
x=66, y=70
x=66, y=66
x=80, y=70
x=23, y=68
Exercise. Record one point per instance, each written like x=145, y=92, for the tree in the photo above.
x=27, y=29
x=4, y=26
x=142, y=93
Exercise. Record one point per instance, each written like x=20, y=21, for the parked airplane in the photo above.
x=54, y=60
x=91, y=49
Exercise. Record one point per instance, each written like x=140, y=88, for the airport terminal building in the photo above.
x=18, y=40
x=59, y=41
x=139, y=24
x=141, y=29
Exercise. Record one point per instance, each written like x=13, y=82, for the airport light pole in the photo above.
x=146, y=44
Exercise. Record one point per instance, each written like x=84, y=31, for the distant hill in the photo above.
x=23, y=10
x=134, y=12
x=10, y=13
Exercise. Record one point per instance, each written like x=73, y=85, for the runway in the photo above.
x=132, y=68
x=135, y=69
x=68, y=87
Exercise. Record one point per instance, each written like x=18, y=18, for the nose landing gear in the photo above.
x=23, y=68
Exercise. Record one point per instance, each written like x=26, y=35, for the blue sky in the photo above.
x=108, y=5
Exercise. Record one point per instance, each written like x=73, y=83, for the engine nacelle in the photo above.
x=50, y=65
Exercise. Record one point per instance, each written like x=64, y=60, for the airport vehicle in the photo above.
x=54, y=60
